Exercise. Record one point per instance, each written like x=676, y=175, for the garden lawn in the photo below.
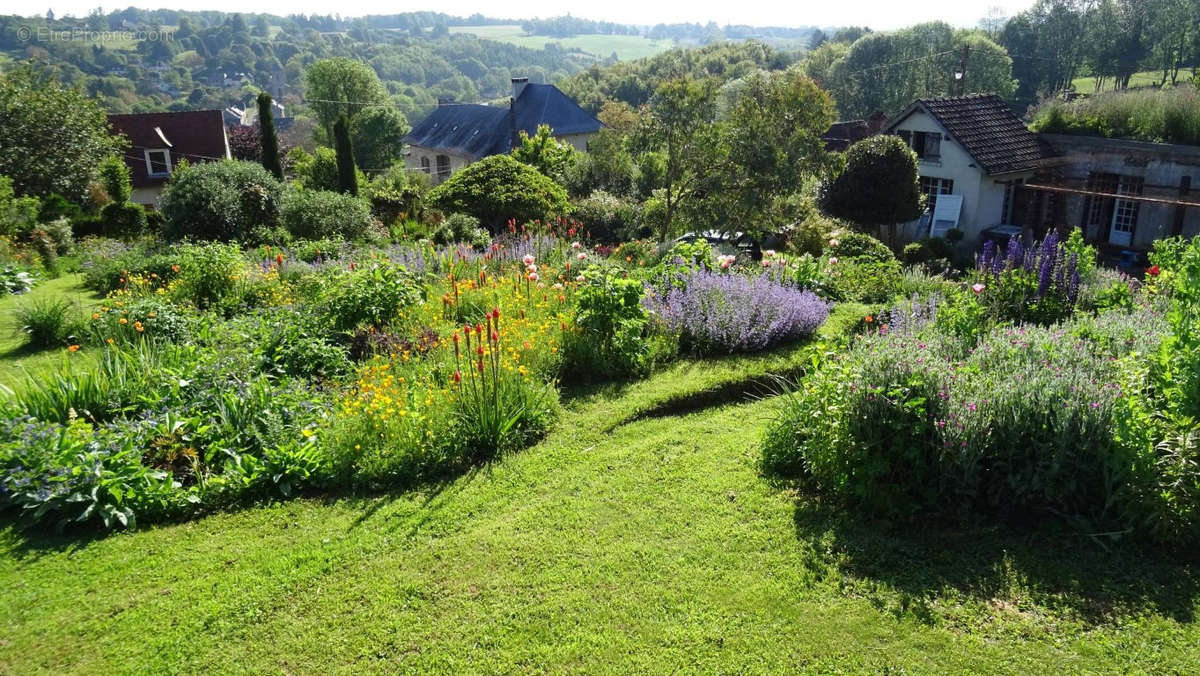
x=651, y=545
x=16, y=358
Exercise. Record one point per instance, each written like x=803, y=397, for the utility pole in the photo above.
x=961, y=74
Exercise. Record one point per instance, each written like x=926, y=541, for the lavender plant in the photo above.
x=714, y=312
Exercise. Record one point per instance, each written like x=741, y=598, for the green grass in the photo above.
x=16, y=358
x=645, y=546
x=627, y=47
x=1087, y=84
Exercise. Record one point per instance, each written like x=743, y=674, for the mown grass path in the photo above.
x=645, y=546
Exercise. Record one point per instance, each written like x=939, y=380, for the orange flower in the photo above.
x=174, y=268
x=868, y=319
x=95, y=315
x=124, y=321
x=73, y=348
x=110, y=341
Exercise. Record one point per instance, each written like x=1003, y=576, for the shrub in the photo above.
x=714, y=312
x=810, y=235
x=317, y=214
x=122, y=219
x=48, y=323
x=370, y=296
x=913, y=421
x=76, y=474
x=144, y=318
x=113, y=173
x=857, y=246
x=609, y=336
x=859, y=280
x=208, y=274
x=59, y=232
x=461, y=228
x=294, y=346
x=608, y=218
x=497, y=189
x=223, y=201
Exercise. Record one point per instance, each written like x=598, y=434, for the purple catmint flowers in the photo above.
x=713, y=312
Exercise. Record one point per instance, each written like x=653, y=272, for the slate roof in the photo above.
x=195, y=135
x=988, y=130
x=478, y=131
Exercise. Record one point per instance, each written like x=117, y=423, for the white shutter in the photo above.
x=945, y=214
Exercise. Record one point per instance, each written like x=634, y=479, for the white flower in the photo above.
x=528, y=259
x=579, y=278
x=581, y=256
x=576, y=245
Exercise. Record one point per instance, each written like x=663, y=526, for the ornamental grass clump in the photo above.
x=713, y=312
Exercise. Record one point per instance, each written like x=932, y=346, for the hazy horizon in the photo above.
x=877, y=14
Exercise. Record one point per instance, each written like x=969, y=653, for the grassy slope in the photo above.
x=15, y=357
x=627, y=47
x=651, y=547
x=1087, y=83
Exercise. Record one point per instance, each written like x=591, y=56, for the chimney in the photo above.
x=518, y=86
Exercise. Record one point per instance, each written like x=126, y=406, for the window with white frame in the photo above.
x=932, y=186
x=158, y=163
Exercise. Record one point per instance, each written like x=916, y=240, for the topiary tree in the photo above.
x=266, y=132
x=498, y=188
x=878, y=186
x=224, y=201
x=122, y=219
x=347, y=179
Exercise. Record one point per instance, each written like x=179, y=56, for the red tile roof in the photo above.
x=194, y=135
x=987, y=128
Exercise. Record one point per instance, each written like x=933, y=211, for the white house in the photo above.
x=974, y=153
x=455, y=135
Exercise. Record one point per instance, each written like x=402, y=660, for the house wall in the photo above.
x=412, y=161
x=1161, y=165
x=983, y=195
x=146, y=196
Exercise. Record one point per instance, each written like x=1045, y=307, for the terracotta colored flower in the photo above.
x=73, y=348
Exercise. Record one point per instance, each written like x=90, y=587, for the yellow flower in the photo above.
x=124, y=321
x=95, y=315
x=306, y=432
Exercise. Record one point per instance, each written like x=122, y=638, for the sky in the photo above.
x=877, y=14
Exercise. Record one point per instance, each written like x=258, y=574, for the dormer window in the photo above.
x=158, y=163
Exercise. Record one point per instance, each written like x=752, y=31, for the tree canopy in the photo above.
x=498, y=188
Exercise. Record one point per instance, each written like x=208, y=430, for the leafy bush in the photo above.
x=860, y=280
x=122, y=219
x=911, y=421
x=810, y=235
x=207, y=274
x=461, y=228
x=294, y=346
x=114, y=176
x=373, y=296
x=608, y=218
x=714, y=312
x=317, y=214
x=108, y=265
x=497, y=189
x=223, y=201
x=48, y=323
x=126, y=322
x=857, y=246
x=77, y=473
x=610, y=332
x=59, y=232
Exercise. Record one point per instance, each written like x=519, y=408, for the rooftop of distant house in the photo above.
x=477, y=130
x=194, y=135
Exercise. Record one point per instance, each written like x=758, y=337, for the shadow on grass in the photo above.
x=906, y=570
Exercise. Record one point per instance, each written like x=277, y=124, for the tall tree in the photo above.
x=347, y=179
x=341, y=87
x=266, y=132
x=681, y=127
x=378, y=137
x=52, y=138
x=773, y=137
